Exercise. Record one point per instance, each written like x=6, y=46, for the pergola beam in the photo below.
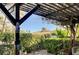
x=13, y=21
x=17, y=31
x=28, y=14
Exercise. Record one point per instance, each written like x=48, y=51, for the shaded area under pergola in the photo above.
x=61, y=12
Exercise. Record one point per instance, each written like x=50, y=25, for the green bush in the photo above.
x=7, y=37
x=55, y=44
x=61, y=33
x=31, y=42
x=6, y=47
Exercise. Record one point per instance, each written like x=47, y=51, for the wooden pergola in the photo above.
x=61, y=12
x=55, y=11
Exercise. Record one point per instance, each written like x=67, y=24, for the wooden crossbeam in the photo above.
x=28, y=14
x=6, y=12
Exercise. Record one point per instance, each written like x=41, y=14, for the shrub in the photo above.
x=6, y=48
x=31, y=42
x=7, y=37
x=55, y=44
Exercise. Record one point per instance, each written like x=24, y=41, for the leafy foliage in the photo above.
x=6, y=47
x=7, y=37
x=53, y=45
x=30, y=42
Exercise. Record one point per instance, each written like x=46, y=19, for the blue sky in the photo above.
x=35, y=23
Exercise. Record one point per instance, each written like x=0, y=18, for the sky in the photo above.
x=35, y=23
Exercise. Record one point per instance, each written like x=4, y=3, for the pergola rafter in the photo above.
x=63, y=9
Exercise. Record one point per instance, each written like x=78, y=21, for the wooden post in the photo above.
x=17, y=31
x=72, y=29
x=17, y=39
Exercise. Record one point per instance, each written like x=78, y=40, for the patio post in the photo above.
x=17, y=31
x=17, y=39
x=73, y=34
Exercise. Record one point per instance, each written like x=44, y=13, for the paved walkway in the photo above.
x=40, y=52
x=77, y=52
x=44, y=52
